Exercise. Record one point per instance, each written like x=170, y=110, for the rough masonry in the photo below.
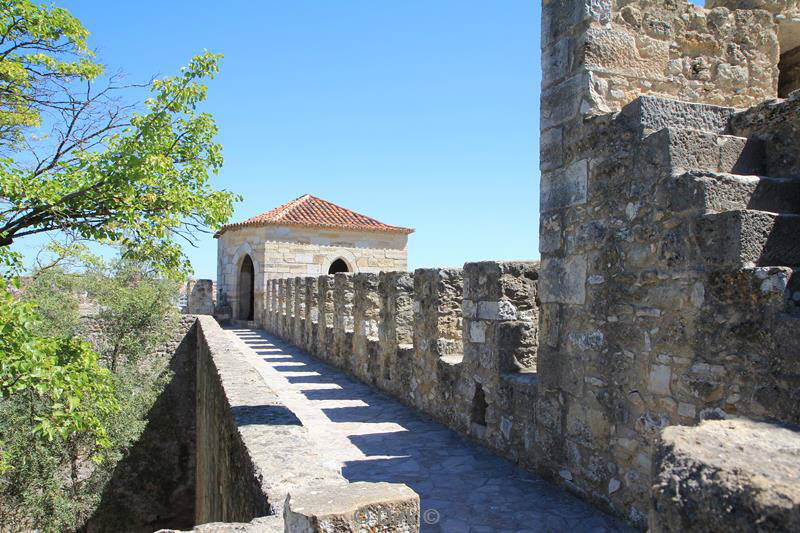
x=667, y=294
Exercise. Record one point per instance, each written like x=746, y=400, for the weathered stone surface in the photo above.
x=564, y=188
x=251, y=450
x=776, y=124
x=664, y=283
x=437, y=333
x=200, y=297
x=379, y=507
x=744, y=237
x=563, y=280
x=649, y=113
x=731, y=475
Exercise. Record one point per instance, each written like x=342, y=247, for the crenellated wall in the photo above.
x=457, y=344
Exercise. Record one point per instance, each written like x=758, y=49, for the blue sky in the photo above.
x=420, y=113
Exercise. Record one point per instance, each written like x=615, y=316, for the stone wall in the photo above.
x=286, y=251
x=200, y=295
x=666, y=251
x=254, y=457
x=469, y=363
x=732, y=475
x=786, y=14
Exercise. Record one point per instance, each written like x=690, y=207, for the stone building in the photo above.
x=307, y=236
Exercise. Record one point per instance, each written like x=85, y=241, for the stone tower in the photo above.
x=670, y=195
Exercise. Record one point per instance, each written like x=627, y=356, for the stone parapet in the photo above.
x=298, y=332
x=325, y=317
x=437, y=337
x=343, y=297
x=359, y=507
x=395, y=332
x=311, y=313
x=501, y=321
x=470, y=363
x=366, y=313
x=253, y=452
x=200, y=297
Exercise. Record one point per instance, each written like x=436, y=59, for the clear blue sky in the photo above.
x=419, y=113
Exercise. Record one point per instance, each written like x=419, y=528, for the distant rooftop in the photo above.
x=310, y=211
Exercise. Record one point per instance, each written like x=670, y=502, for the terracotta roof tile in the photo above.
x=311, y=211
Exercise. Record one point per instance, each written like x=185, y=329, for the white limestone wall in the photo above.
x=287, y=251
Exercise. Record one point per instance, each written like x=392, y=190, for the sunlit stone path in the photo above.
x=463, y=488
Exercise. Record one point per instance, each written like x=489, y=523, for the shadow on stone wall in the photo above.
x=153, y=487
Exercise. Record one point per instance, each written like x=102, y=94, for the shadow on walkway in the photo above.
x=463, y=488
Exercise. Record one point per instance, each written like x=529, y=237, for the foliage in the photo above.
x=137, y=309
x=58, y=379
x=55, y=485
x=137, y=179
x=44, y=48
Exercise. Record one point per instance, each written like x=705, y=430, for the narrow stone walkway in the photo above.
x=463, y=488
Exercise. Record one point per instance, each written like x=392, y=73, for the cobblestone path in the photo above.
x=463, y=488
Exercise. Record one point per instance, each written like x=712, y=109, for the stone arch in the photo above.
x=246, y=289
x=244, y=251
x=346, y=256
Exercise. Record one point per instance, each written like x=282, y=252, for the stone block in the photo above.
x=565, y=187
x=649, y=114
x=727, y=475
x=563, y=280
x=357, y=507
x=559, y=17
x=561, y=102
x=748, y=237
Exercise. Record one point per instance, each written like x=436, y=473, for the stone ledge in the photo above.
x=727, y=475
x=255, y=452
x=358, y=507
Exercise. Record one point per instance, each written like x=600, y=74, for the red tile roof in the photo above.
x=314, y=212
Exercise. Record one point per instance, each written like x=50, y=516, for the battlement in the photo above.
x=459, y=344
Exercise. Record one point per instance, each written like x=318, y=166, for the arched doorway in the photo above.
x=247, y=280
x=338, y=266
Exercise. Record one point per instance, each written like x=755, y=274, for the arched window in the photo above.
x=247, y=279
x=338, y=266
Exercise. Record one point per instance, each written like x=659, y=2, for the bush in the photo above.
x=70, y=410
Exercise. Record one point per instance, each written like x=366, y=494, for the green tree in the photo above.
x=137, y=310
x=56, y=484
x=77, y=161
x=105, y=172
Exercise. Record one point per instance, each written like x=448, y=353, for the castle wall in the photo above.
x=256, y=464
x=662, y=287
x=417, y=338
x=288, y=251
